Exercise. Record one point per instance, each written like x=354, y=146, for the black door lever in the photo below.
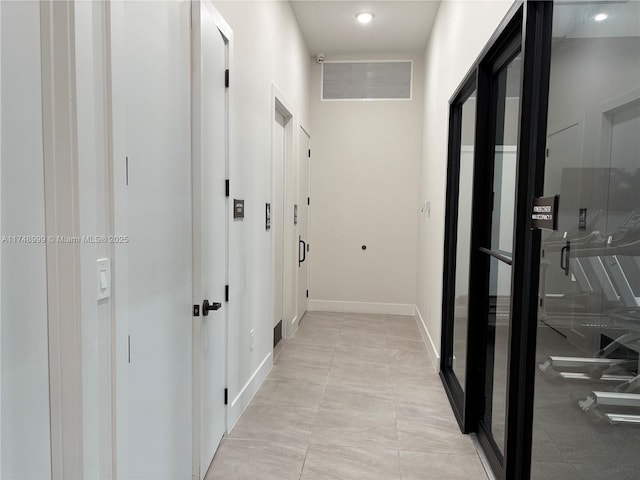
x=564, y=258
x=206, y=307
x=304, y=250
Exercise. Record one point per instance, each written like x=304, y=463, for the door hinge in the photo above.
x=307, y=293
x=226, y=78
x=308, y=247
x=542, y=302
x=196, y=310
x=309, y=153
x=226, y=293
x=547, y=152
x=226, y=187
x=308, y=200
x=129, y=348
x=226, y=396
x=126, y=173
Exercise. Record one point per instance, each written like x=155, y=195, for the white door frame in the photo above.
x=61, y=188
x=280, y=104
x=297, y=320
x=0, y=248
x=227, y=35
x=116, y=49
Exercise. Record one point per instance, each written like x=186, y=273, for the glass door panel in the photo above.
x=465, y=198
x=587, y=390
x=507, y=88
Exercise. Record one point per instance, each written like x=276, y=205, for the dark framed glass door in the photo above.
x=495, y=400
x=496, y=192
x=459, y=202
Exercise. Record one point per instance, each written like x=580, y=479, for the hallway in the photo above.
x=350, y=397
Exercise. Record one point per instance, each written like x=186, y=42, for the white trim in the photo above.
x=302, y=137
x=621, y=102
x=305, y=129
x=0, y=248
x=220, y=22
x=293, y=328
x=227, y=33
x=432, y=350
x=498, y=148
x=399, y=60
x=241, y=401
x=118, y=222
x=61, y=187
x=506, y=148
x=361, y=307
x=280, y=104
x=199, y=9
x=608, y=110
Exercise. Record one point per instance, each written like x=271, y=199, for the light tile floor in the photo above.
x=350, y=397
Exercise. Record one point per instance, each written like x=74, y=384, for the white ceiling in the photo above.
x=330, y=26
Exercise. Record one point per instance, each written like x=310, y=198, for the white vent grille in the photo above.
x=387, y=80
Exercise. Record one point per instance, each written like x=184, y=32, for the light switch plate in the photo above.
x=103, y=278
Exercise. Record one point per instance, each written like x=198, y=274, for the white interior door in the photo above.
x=278, y=214
x=157, y=85
x=303, y=221
x=25, y=440
x=210, y=231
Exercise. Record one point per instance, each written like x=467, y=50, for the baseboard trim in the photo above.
x=361, y=307
x=239, y=404
x=431, y=347
x=292, y=327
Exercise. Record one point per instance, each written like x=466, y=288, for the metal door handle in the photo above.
x=564, y=258
x=304, y=250
x=206, y=307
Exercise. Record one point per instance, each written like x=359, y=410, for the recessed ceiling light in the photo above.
x=601, y=17
x=364, y=17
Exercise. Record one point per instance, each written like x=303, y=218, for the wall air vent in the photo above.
x=367, y=80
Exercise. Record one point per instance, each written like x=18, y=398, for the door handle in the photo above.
x=564, y=258
x=206, y=307
x=304, y=250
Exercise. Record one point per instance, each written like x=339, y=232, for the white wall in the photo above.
x=268, y=49
x=25, y=447
x=460, y=32
x=365, y=191
x=25, y=375
x=91, y=84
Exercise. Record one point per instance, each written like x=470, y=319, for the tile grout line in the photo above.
x=395, y=416
x=304, y=461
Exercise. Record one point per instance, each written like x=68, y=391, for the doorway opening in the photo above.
x=283, y=218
